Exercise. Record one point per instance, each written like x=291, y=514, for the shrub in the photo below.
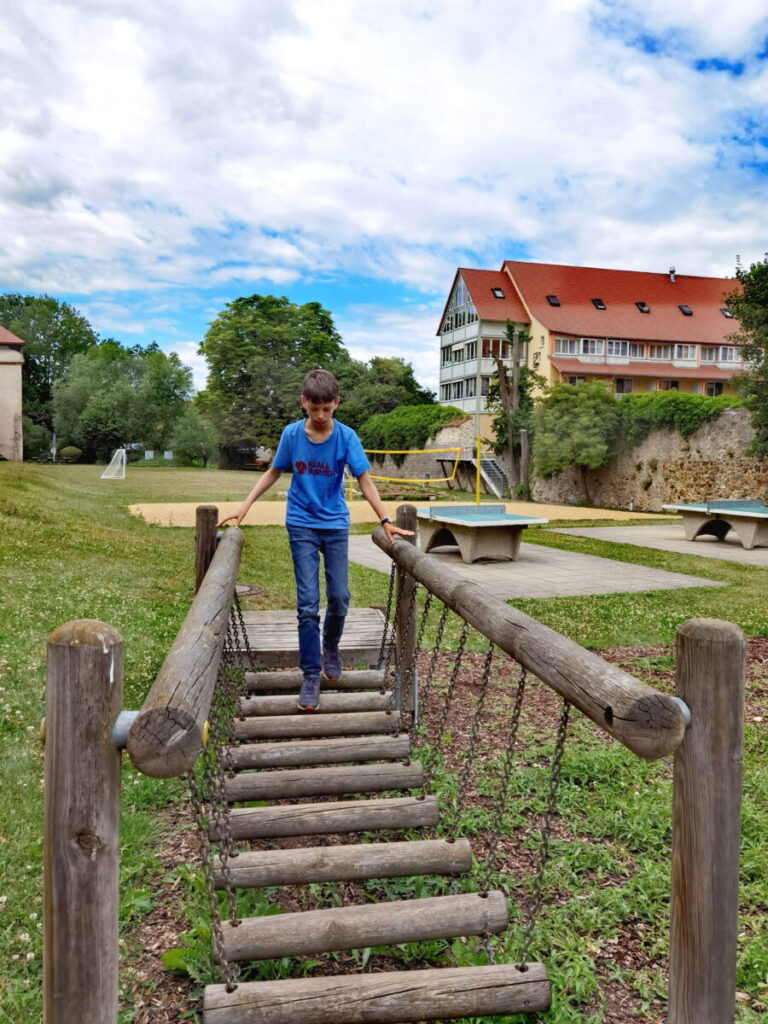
x=69, y=454
x=408, y=427
x=667, y=410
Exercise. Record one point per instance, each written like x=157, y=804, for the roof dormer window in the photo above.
x=643, y=307
x=553, y=300
x=497, y=293
x=598, y=303
x=685, y=310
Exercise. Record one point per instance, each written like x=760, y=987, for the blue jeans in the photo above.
x=306, y=546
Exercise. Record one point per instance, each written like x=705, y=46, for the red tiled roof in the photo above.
x=665, y=371
x=6, y=338
x=479, y=284
x=575, y=287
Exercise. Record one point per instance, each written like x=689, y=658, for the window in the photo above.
x=637, y=351
x=669, y=385
x=591, y=347
x=709, y=355
x=494, y=348
x=458, y=355
x=485, y=383
x=567, y=346
x=447, y=356
x=685, y=351
x=470, y=387
x=623, y=385
x=470, y=350
x=661, y=351
x=729, y=354
x=457, y=389
x=726, y=313
x=685, y=310
x=553, y=300
x=714, y=388
x=643, y=307
x=617, y=348
x=577, y=380
x=497, y=293
x=598, y=303
x=445, y=392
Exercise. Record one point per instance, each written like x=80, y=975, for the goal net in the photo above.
x=116, y=468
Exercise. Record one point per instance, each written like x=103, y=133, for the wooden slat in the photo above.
x=333, y=751
x=257, y=868
x=291, y=679
x=377, y=924
x=339, y=816
x=386, y=998
x=335, y=781
x=330, y=703
x=314, y=724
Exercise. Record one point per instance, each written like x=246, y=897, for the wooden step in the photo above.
x=330, y=703
x=312, y=724
x=257, y=868
x=351, y=679
x=387, y=998
x=334, y=751
x=371, y=924
x=273, y=640
x=338, y=816
x=294, y=782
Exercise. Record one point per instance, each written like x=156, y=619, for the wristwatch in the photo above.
x=386, y=519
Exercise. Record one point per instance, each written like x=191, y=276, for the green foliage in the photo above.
x=37, y=440
x=667, y=410
x=54, y=332
x=113, y=396
x=750, y=305
x=192, y=439
x=575, y=426
x=408, y=427
x=69, y=453
x=385, y=383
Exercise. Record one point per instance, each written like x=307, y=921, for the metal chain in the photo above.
x=387, y=614
x=412, y=725
x=454, y=816
x=546, y=831
x=429, y=764
x=400, y=653
x=505, y=779
x=435, y=654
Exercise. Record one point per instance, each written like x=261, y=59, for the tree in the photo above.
x=749, y=304
x=193, y=439
x=510, y=400
x=575, y=425
x=53, y=333
x=258, y=349
x=112, y=396
x=383, y=384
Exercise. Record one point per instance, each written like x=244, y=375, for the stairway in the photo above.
x=336, y=763
x=493, y=475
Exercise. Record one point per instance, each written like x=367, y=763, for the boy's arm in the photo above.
x=264, y=483
x=371, y=495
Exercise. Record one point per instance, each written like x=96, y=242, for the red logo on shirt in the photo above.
x=301, y=467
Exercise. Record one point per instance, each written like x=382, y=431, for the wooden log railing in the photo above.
x=701, y=725
x=168, y=734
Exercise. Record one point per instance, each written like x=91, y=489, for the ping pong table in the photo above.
x=747, y=519
x=479, y=531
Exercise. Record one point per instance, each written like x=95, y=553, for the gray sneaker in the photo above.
x=331, y=665
x=309, y=698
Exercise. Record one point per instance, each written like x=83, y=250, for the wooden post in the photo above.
x=405, y=631
x=711, y=668
x=84, y=696
x=206, y=518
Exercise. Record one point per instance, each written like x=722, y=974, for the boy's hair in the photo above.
x=320, y=386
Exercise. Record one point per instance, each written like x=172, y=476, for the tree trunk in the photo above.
x=509, y=396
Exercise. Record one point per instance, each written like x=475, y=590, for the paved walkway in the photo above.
x=671, y=538
x=542, y=572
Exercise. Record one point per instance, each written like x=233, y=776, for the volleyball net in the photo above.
x=416, y=451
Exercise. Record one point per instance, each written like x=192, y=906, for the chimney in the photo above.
x=672, y=274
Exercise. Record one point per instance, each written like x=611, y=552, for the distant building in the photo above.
x=638, y=332
x=11, y=361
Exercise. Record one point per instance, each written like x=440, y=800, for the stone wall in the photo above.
x=666, y=469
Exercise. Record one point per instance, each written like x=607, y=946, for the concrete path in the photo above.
x=542, y=572
x=671, y=538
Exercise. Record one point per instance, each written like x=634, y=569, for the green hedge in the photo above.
x=408, y=427
x=667, y=410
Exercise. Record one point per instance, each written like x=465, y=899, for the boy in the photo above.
x=317, y=519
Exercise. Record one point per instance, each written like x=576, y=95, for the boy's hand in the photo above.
x=238, y=516
x=393, y=531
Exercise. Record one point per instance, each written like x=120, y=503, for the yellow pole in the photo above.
x=477, y=473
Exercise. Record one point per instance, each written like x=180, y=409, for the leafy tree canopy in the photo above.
x=407, y=427
x=383, y=384
x=192, y=439
x=750, y=305
x=53, y=332
x=112, y=396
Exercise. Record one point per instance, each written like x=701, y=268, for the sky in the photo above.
x=160, y=159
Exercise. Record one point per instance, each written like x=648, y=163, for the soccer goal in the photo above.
x=116, y=468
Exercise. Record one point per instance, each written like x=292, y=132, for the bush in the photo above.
x=667, y=410
x=406, y=428
x=69, y=454
x=37, y=440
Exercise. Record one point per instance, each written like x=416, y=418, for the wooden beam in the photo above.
x=337, y=703
x=314, y=724
x=335, y=781
x=206, y=518
x=405, y=623
x=333, y=751
x=386, y=998
x=291, y=679
x=167, y=736
x=648, y=722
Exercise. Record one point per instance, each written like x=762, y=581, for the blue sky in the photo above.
x=158, y=161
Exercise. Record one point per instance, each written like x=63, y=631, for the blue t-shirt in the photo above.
x=315, y=497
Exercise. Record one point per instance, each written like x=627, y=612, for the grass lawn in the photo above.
x=70, y=550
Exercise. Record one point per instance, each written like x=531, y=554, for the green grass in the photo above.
x=70, y=550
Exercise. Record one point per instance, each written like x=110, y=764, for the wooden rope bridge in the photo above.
x=353, y=748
